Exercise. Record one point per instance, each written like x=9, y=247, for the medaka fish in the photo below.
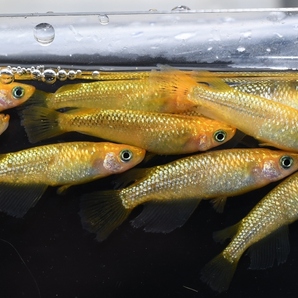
x=162, y=91
x=25, y=175
x=14, y=94
x=171, y=192
x=158, y=133
x=264, y=231
x=268, y=121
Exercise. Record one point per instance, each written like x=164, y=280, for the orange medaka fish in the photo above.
x=25, y=175
x=162, y=91
x=268, y=121
x=14, y=94
x=264, y=231
x=171, y=192
x=4, y=121
x=158, y=133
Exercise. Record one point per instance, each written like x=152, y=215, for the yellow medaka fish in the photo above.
x=4, y=121
x=25, y=175
x=173, y=191
x=160, y=92
x=268, y=121
x=264, y=231
x=14, y=94
x=158, y=133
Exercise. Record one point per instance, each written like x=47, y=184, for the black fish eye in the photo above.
x=220, y=135
x=126, y=155
x=286, y=162
x=18, y=92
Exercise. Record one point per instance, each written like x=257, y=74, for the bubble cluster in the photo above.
x=38, y=73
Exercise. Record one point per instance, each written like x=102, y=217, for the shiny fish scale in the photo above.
x=241, y=110
x=278, y=208
x=283, y=91
x=208, y=175
x=143, y=94
x=54, y=164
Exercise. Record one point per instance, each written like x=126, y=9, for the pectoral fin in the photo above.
x=164, y=217
x=219, y=204
x=17, y=199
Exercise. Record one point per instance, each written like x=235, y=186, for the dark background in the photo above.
x=64, y=260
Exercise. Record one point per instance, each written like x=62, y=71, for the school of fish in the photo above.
x=164, y=112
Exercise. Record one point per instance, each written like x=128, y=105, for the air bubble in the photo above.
x=103, y=19
x=35, y=74
x=44, y=33
x=71, y=74
x=48, y=76
x=6, y=76
x=95, y=74
x=62, y=75
x=181, y=8
x=79, y=73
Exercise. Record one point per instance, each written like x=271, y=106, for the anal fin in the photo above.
x=164, y=217
x=275, y=246
x=17, y=199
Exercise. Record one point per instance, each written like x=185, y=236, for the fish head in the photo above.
x=14, y=94
x=275, y=165
x=215, y=137
x=118, y=158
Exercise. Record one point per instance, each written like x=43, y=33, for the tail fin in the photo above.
x=218, y=273
x=102, y=212
x=41, y=123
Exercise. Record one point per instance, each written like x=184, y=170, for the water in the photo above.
x=131, y=262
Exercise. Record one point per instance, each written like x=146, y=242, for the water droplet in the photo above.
x=95, y=74
x=6, y=76
x=103, y=19
x=44, y=33
x=276, y=16
x=62, y=75
x=241, y=49
x=71, y=74
x=35, y=74
x=181, y=8
x=49, y=76
x=247, y=34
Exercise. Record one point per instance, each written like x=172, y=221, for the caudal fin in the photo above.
x=102, y=212
x=218, y=273
x=40, y=123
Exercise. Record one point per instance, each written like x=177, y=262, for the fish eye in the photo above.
x=18, y=92
x=220, y=135
x=286, y=162
x=126, y=155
